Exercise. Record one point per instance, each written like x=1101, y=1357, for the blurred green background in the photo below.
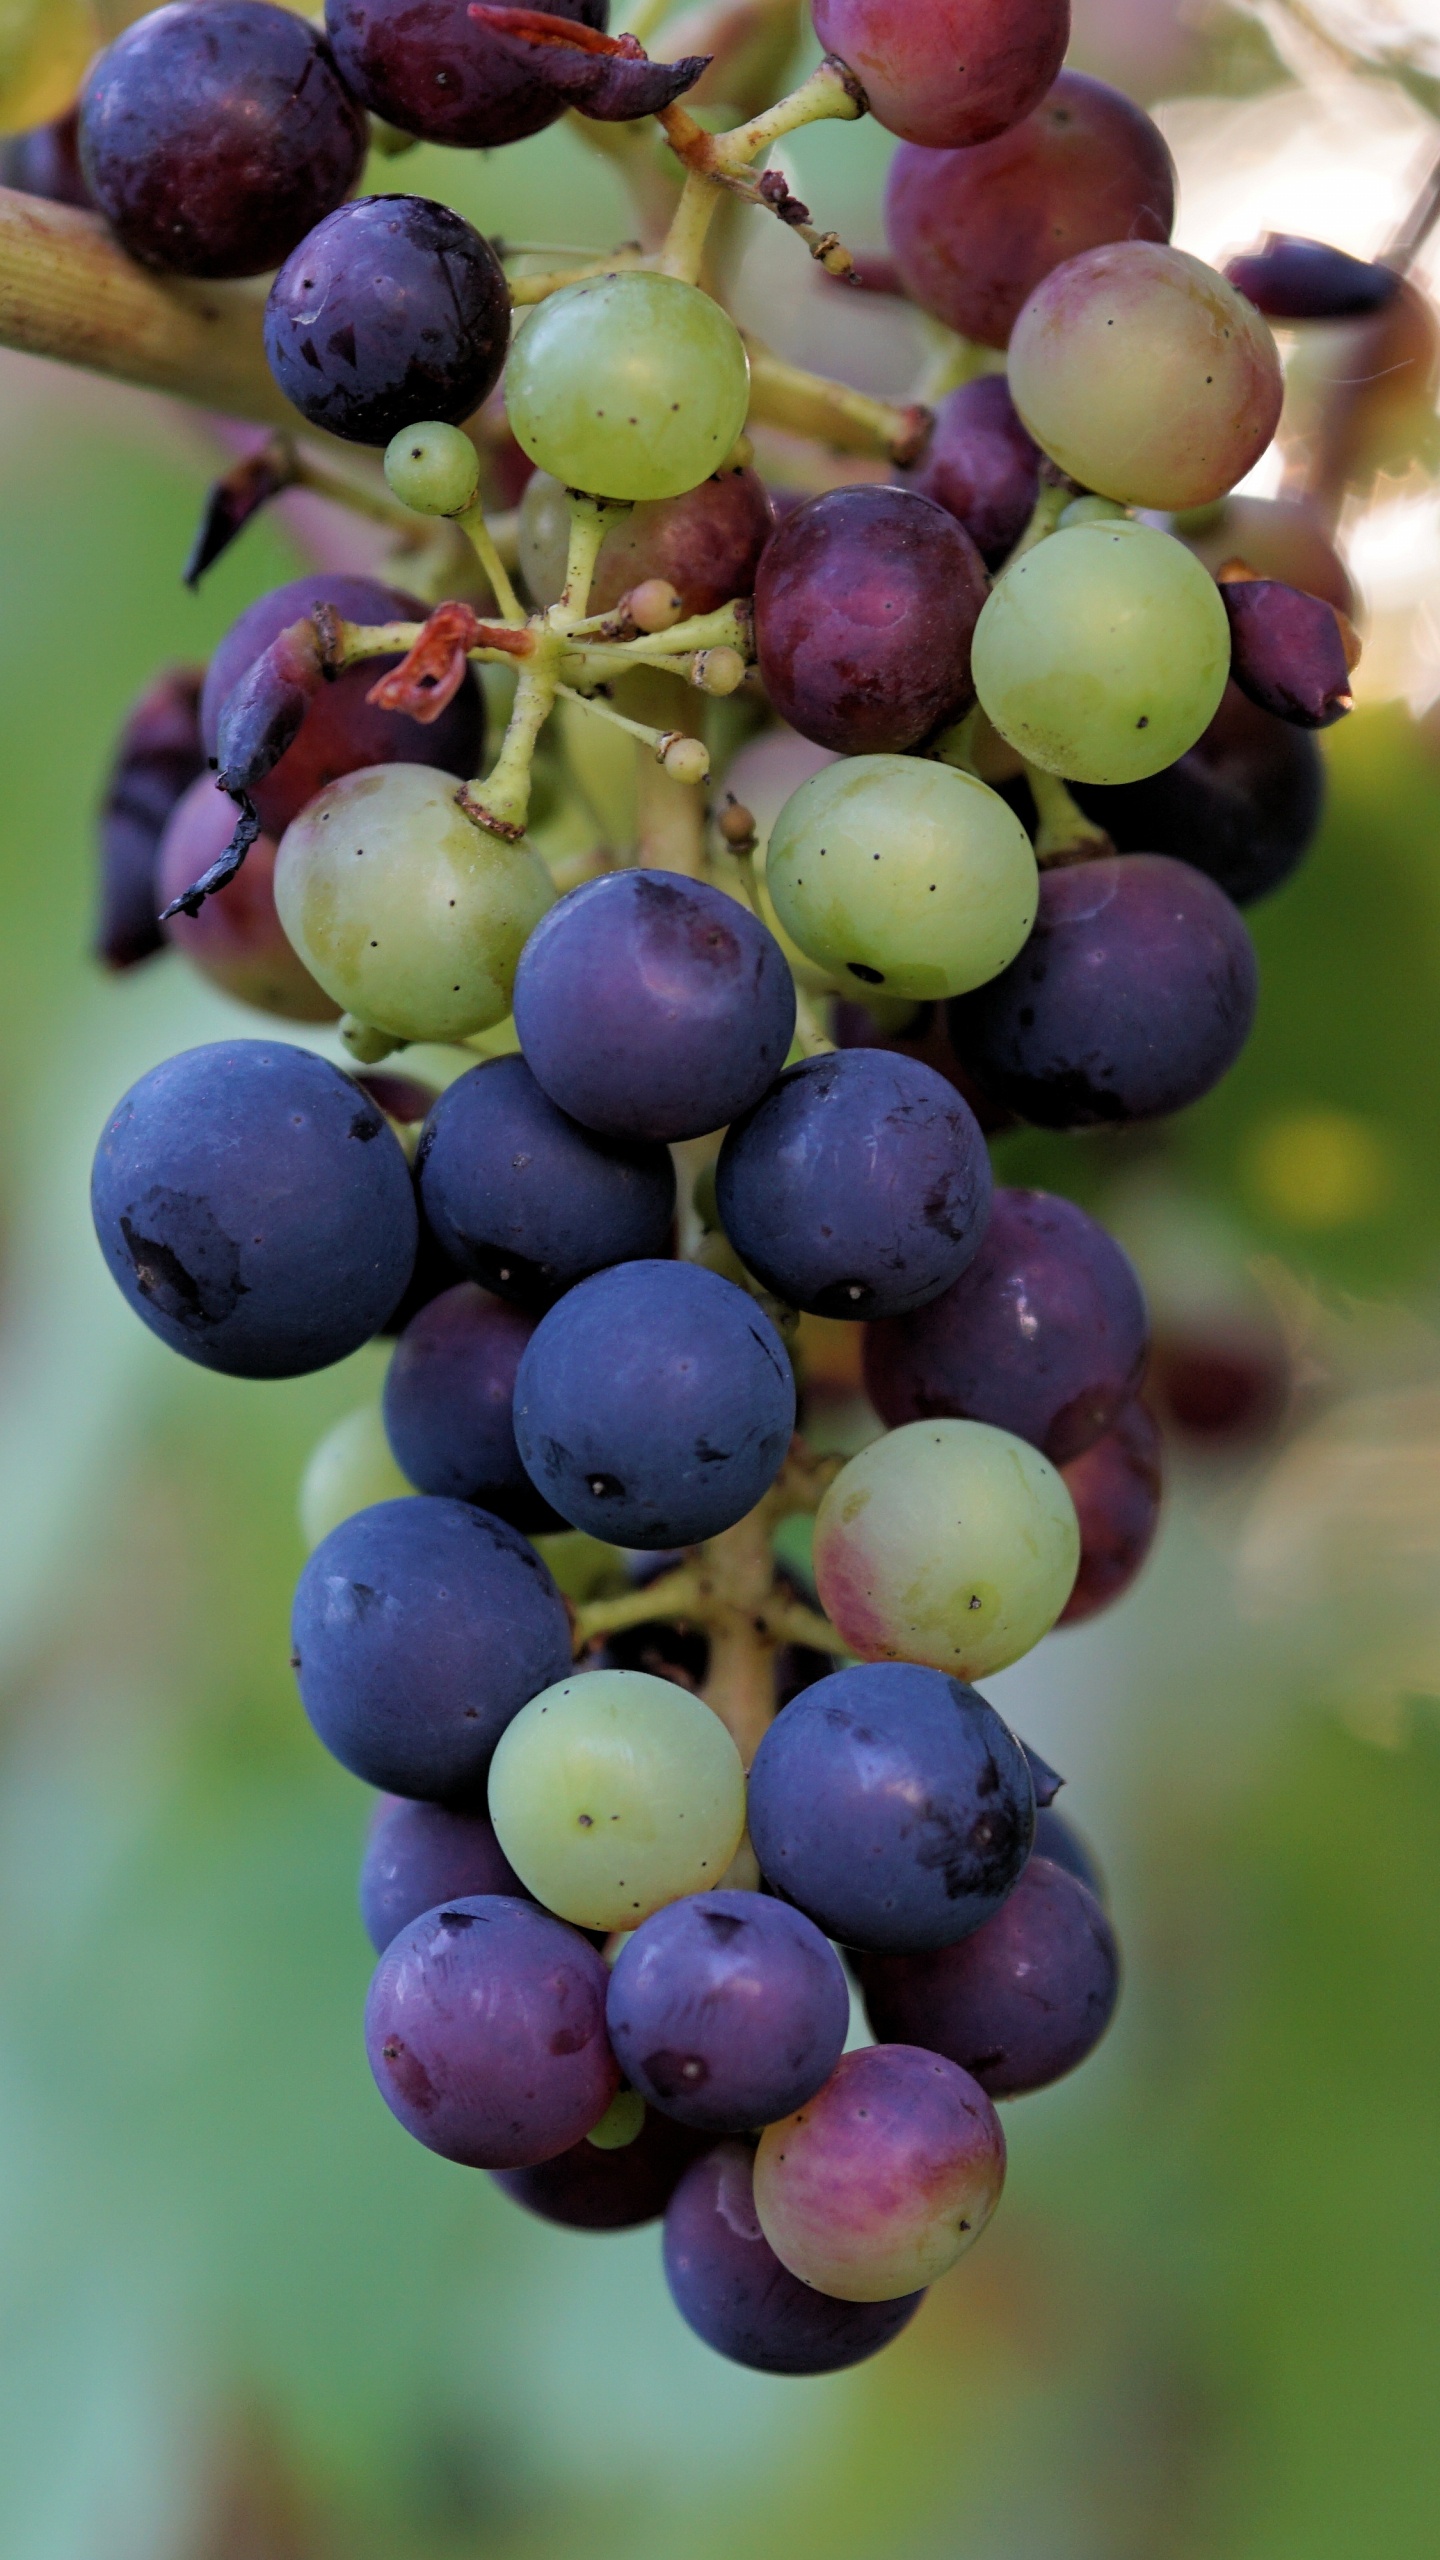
x=242, y=2317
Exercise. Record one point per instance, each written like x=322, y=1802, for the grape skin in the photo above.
x=430, y=70
x=629, y=385
x=158, y=755
x=728, y=2285
x=448, y=1397
x=420, y=1855
x=982, y=466
x=1116, y=1488
x=705, y=544
x=350, y=1468
x=1243, y=805
x=45, y=161
x=586, y=2189
x=237, y=940
x=727, y=2010
x=950, y=72
x=1057, y=1839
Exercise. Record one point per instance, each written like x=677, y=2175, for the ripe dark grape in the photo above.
x=236, y=940
x=982, y=466
x=342, y=732
x=1133, y=996
x=587, y=2189
x=952, y=72
x=158, y=756
x=485, y=2028
x=866, y=602
x=1044, y=1335
x=706, y=544
x=392, y=311
x=1288, y=652
x=859, y=1186
x=654, y=1405
x=1295, y=279
x=254, y=1209
x=420, y=1628
x=728, y=2284
x=420, y=1855
x=524, y=1199
x=1244, y=805
x=1019, y=2003
x=45, y=161
x=214, y=137
x=893, y=1806
x=459, y=75
x=1274, y=537
x=448, y=1396
x=975, y=231
x=1116, y=1488
x=925, y=1037
x=650, y=1006
x=1057, y=1839
x=1222, y=1383
x=727, y=2010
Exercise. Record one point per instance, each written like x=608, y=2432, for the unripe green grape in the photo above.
x=622, y=2123
x=889, y=872
x=947, y=1543
x=1091, y=511
x=434, y=468
x=347, y=1471
x=628, y=386
x=409, y=916
x=613, y=1793
x=1103, y=654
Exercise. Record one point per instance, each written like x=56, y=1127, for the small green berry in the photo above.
x=434, y=469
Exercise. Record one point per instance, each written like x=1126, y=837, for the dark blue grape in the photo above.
x=728, y=2284
x=1132, y=997
x=1243, y=806
x=524, y=1199
x=1287, y=652
x=1295, y=279
x=858, y=1186
x=1057, y=1839
x=448, y=1398
x=1044, y=1335
x=585, y=2189
x=485, y=2029
x=393, y=311
x=893, y=1806
x=420, y=1628
x=420, y=1855
x=655, y=1405
x=1019, y=2003
x=44, y=161
x=981, y=465
x=214, y=137
x=254, y=1209
x=650, y=1006
x=727, y=2010
x=157, y=757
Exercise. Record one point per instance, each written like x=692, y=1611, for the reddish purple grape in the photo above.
x=728, y=2284
x=420, y=1855
x=948, y=72
x=975, y=231
x=585, y=2189
x=1133, y=996
x=1288, y=652
x=1018, y=2004
x=215, y=133
x=727, y=2010
x=1116, y=1488
x=458, y=74
x=982, y=466
x=1223, y=1383
x=45, y=161
x=158, y=756
x=1243, y=806
x=1294, y=279
x=1044, y=1335
x=448, y=1397
x=706, y=544
x=866, y=602
x=342, y=732
x=237, y=940
x=393, y=311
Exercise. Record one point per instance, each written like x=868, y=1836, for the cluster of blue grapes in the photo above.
x=608, y=1912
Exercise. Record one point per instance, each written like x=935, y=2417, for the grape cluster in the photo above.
x=635, y=1828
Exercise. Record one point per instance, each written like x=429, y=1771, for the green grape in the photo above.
x=613, y=1793
x=629, y=386
x=1091, y=511
x=434, y=468
x=347, y=1471
x=889, y=872
x=948, y=1543
x=408, y=915
x=622, y=2123
x=1102, y=655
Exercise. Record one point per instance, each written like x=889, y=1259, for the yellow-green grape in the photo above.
x=1103, y=654
x=629, y=386
x=622, y=2123
x=347, y=1471
x=435, y=469
x=613, y=1793
x=1091, y=511
x=948, y=1543
x=409, y=915
x=44, y=48
x=896, y=874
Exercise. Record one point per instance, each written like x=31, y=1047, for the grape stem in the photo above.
x=1055, y=496
x=814, y=1042
x=590, y=520
x=1064, y=834
x=807, y=404
x=717, y=163
x=473, y=524
x=679, y=754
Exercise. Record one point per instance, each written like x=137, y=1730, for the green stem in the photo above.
x=502, y=802
x=590, y=521
x=474, y=524
x=1064, y=833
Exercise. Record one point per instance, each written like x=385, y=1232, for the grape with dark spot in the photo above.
x=727, y=2010
x=727, y=2283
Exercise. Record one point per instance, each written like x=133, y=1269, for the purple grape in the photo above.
x=1057, y=1839
x=866, y=602
x=654, y=1405
x=728, y=2284
x=485, y=2029
x=1133, y=996
x=982, y=466
x=1244, y=806
x=214, y=136
x=893, y=1806
x=236, y=940
x=650, y=1006
x=448, y=1396
x=342, y=732
x=254, y=1209
x=45, y=161
x=524, y=1199
x=1019, y=2003
x=393, y=311
x=585, y=2189
x=859, y=1186
x=158, y=756
x=420, y=1628
x=420, y=1855
x=1288, y=652
x=460, y=75
x=1116, y=1488
x=1044, y=1335
x=1294, y=279
x=727, y=2010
